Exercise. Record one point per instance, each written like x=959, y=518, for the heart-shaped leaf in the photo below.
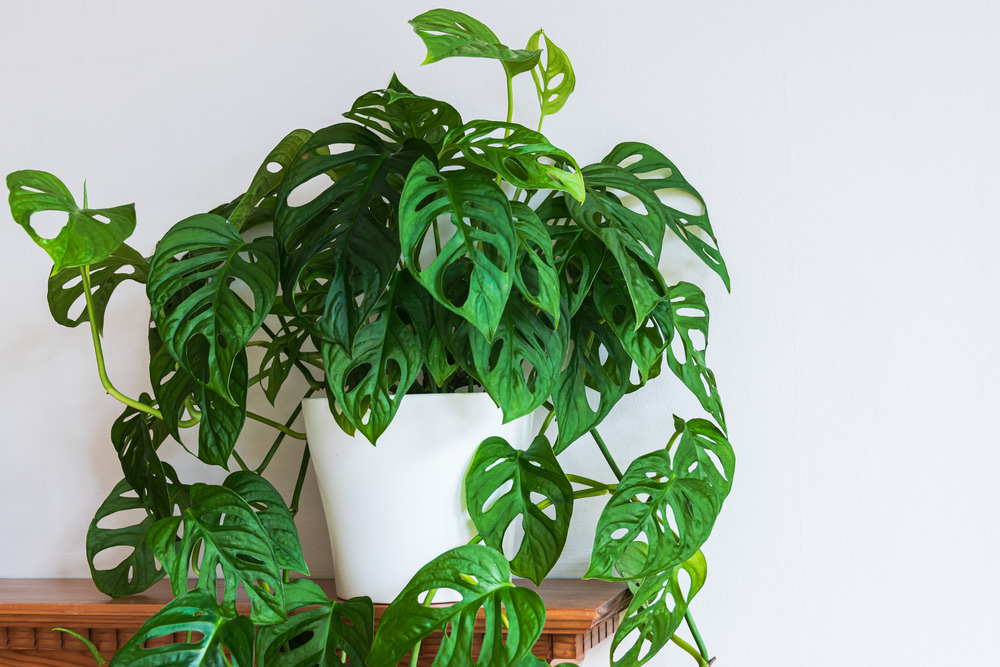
x=89, y=235
x=398, y=115
x=690, y=314
x=220, y=528
x=136, y=436
x=269, y=175
x=274, y=516
x=555, y=80
x=662, y=177
x=318, y=631
x=669, y=505
x=235, y=283
x=66, y=288
x=482, y=577
x=483, y=233
x=534, y=476
x=217, y=636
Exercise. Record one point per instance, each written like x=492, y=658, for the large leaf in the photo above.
x=670, y=505
x=484, y=234
x=318, y=632
x=217, y=637
x=269, y=175
x=274, y=516
x=523, y=157
x=482, y=577
x=398, y=115
x=388, y=355
x=138, y=570
x=555, y=80
x=534, y=476
x=220, y=528
x=236, y=283
x=662, y=177
x=66, y=288
x=657, y=609
x=690, y=314
x=136, y=436
x=89, y=235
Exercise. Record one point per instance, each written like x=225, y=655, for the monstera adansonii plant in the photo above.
x=428, y=254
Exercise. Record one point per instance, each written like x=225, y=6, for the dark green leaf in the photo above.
x=482, y=577
x=535, y=476
x=321, y=633
x=208, y=252
x=136, y=436
x=89, y=235
x=536, y=277
x=269, y=176
x=280, y=356
x=274, y=516
x=398, y=115
x=554, y=80
x=690, y=314
x=66, y=287
x=217, y=636
x=450, y=34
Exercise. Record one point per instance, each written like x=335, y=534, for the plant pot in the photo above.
x=390, y=509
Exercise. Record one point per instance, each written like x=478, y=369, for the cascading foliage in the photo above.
x=405, y=251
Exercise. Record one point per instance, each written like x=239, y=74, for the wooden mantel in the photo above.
x=579, y=614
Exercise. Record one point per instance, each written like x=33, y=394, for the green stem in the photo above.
x=702, y=662
x=99, y=353
x=548, y=420
x=607, y=455
x=415, y=652
x=694, y=633
x=281, y=436
x=273, y=424
x=577, y=479
x=239, y=461
x=294, y=507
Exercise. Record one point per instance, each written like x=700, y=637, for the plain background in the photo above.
x=849, y=155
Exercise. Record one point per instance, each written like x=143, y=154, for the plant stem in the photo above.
x=281, y=436
x=99, y=353
x=548, y=420
x=415, y=652
x=273, y=424
x=702, y=662
x=239, y=461
x=607, y=455
x=694, y=633
x=294, y=507
x=593, y=483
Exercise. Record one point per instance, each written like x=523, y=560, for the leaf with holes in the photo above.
x=342, y=247
x=66, y=288
x=450, y=34
x=136, y=437
x=690, y=315
x=398, y=115
x=318, y=631
x=217, y=637
x=555, y=80
x=482, y=577
x=274, y=516
x=236, y=284
x=269, y=175
x=388, y=355
x=138, y=570
x=523, y=157
x=280, y=356
x=535, y=277
x=220, y=528
x=578, y=257
x=656, y=610
x=89, y=235
x=484, y=234
x=531, y=473
x=669, y=505
x=661, y=176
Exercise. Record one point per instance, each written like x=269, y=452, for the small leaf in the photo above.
x=690, y=314
x=66, y=287
x=450, y=34
x=555, y=80
x=536, y=277
x=98, y=658
x=269, y=175
x=136, y=437
x=274, y=516
x=89, y=235
x=534, y=472
x=280, y=356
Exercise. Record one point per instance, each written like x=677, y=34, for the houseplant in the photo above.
x=538, y=283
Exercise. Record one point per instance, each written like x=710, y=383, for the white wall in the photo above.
x=849, y=154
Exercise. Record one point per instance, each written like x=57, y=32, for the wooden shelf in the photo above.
x=579, y=614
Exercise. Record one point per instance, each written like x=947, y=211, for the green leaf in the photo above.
x=450, y=34
x=220, y=528
x=669, y=505
x=269, y=175
x=91, y=647
x=318, y=631
x=89, y=235
x=661, y=176
x=523, y=157
x=482, y=577
x=223, y=638
x=398, y=115
x=66, y=288
x=690, y=314
x=207, y=253
x=274, y=516
x=483, y=233
x=535, y=476
x=657, y=609
x=280, y=356
x=536, y=277
x=136, y=437
x=138, y=570
x=555, y=80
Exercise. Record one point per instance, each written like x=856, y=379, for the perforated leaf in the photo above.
x=536, y=277
x=690, y=315
x=136, y=437
x=555, y=80
x=65, y=293
x=398, y=115
x=269, y=175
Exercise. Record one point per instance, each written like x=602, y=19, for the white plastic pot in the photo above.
x=391, y=509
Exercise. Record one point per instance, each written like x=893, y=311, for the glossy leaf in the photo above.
x=484, y=234
x=670, y=505
x=89, y=235
x=656, y=610
x=274, y=517
x=138, y=570
x=217, y=636
x=555, y=80
x=280, y=356
x=535, y=476
x=136, y=437
x=269, y=175
x=220, y=528
x=398, y=115
x=208, y=252
x=661, y=176
x=536, y=277
x=690, y=315
x=65, y=291
x=482, y=577
x=318, y=631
